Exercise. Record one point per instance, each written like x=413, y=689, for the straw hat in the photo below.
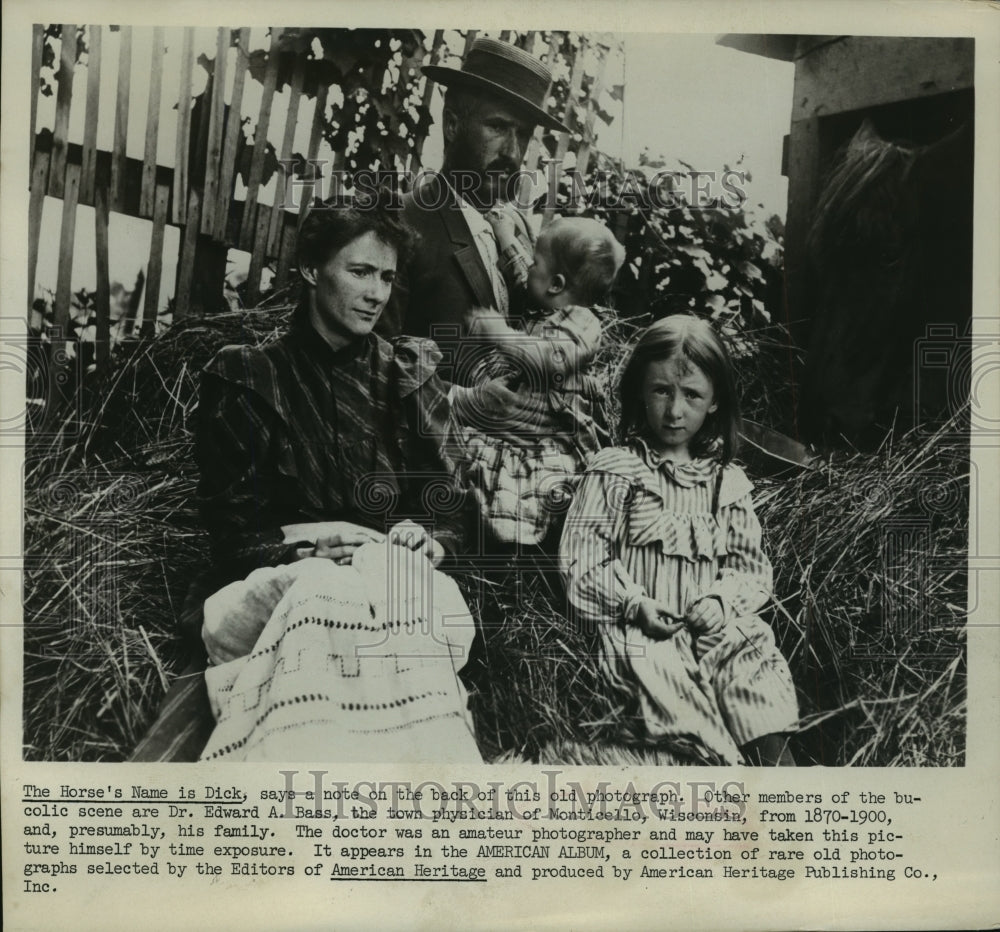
x=505, y=72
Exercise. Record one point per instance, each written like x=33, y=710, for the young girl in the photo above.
x=661, y=553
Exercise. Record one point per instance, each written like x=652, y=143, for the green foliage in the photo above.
x=682, y=254
x=720, y=262
x=50, y=62
x=384, y=115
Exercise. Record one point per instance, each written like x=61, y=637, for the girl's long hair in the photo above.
x=695, y=340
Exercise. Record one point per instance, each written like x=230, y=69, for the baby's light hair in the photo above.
x=586, y=252
x=695, y=340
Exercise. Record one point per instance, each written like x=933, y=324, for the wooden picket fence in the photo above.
x=207, y=212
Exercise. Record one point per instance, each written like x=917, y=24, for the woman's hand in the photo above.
x=706, y=616
x=496, y=397
x=656, y=621
x=335, y=540
x=481, y=405
x=411, y=535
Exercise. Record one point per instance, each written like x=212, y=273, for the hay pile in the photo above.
x=869, y=554
x=112, y=539
x=870, y=573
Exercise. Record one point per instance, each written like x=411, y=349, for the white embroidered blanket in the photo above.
x=320, y=662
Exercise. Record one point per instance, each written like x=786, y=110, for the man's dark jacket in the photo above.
x=443, y=280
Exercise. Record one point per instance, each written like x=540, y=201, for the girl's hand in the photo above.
x=335, y=540
x=706, y=616
x=411, y=535
x=655, y=621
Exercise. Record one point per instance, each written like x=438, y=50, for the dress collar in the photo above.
x=308, y=338
x=696, y=472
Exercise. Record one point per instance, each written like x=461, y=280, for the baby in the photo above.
x=521, y=463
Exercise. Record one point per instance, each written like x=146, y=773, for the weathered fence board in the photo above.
x=257, y=257
x=583, y=152
x=286, y=254
x=532, y=156
x=102, y=297
x=234, y=131
x=64, y=100
x=37, y=43
x=118, y=152
x=180, y=197
x=315, y=135
x=148, y=193
x=213, y=151
x=36, y=202
x=247, y=229
x=88, y=166
x=155, y=267
x=189, y=245
x=283, y=182
x=64, y=281
x=575, y=83
x=425, y=101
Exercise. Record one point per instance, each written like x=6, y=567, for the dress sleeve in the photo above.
x=744, y=583
x=598, y=586
x=431, y=464
x=235, y=440
x=576, y=332
x=552, y=349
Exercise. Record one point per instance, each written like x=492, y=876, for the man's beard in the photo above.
x=494, y=185
x=482, y=189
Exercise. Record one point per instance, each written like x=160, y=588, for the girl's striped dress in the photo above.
x=640, y=526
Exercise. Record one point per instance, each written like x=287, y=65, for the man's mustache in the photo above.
x=502, y=166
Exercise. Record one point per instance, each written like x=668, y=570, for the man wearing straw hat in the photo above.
x=491, y=108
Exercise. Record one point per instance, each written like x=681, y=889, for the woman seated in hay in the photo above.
x=326, y=489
